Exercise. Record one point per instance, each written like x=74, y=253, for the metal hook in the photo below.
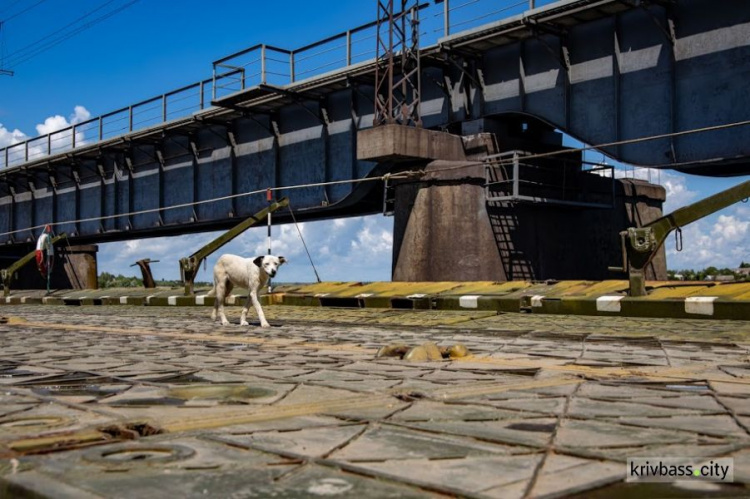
x=678, y=239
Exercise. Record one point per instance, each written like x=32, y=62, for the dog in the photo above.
x=253, y=273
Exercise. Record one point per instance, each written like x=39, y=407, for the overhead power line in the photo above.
x=10, y=6
x=19, y=52
x=18, y=58
x=22, y=12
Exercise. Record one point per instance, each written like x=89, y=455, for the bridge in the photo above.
x=658, y=83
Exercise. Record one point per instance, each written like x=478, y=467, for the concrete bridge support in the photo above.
x=445, y=230
x=469, y=220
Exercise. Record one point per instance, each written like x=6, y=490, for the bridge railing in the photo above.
x=259, y=64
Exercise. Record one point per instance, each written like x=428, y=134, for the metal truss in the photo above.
x=398, y=72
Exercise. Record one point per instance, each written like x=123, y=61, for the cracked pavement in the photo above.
x=160, y=402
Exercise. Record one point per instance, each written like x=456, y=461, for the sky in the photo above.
x=125, y=51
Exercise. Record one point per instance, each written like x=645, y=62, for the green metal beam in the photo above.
x=189, y=266
x=640, y=244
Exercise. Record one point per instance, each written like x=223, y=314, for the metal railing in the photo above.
x=521, y=177
x=262, y=64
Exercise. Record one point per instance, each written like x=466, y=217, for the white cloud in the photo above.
x=60, y=141
x=729, y=228
x=10, y=137
x=57, y=122
x=372, y=239
x=678, y=192
x=351, y=249
x=720, y=241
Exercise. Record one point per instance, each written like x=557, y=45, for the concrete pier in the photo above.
x=544, y=215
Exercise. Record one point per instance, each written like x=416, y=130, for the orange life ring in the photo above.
x=45, y=253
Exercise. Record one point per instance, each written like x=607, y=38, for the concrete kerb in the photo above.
x=568, y=297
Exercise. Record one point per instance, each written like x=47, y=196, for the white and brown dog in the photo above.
x=253, y=273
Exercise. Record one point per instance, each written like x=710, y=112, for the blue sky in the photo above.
x=153, y=46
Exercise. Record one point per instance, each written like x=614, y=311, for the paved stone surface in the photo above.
x=148, y=402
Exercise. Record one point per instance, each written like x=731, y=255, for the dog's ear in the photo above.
x=282, y=260
x=258, y=261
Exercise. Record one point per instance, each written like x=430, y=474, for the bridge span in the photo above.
x=659, y=83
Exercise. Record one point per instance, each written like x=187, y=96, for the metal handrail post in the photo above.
x=447, y=17
x=349, y=47
x=130, y=118
x=291, y=67
x=73, y=137
x=263, y=64
x=164, y=108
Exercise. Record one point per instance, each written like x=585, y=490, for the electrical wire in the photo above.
x=9, y=7
x=22, y=12
x=23, y=58
x=22, y=49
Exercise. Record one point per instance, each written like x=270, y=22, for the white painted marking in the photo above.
x=700, y=305
x=609, y=303
x=7, y=299
x=469, y=301
x=200, y=300
x=536, y=300
x=321, y=295
x=23, y=299
x=417, y=295
x=148, y=299
x=364, y=295
x=172, y=300
x=123, y=300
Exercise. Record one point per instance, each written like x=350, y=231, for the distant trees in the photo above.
x=709, y=274
x=107, y=280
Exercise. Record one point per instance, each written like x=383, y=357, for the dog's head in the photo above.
x=270, y=263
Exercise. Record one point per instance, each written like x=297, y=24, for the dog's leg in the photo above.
x=256, y=304
x=245, y=308
x=226, y=288
x=216, y=301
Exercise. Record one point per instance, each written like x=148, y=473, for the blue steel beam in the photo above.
x=603, y=71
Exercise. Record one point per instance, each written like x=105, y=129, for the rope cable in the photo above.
x=294, y=219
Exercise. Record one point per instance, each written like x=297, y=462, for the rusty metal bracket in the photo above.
x=148, y=278
x=190, y=265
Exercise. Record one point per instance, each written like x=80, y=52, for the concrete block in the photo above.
x=394, y=142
